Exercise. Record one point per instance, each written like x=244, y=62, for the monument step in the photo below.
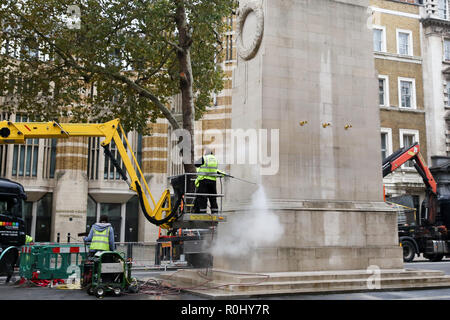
x=212, y=285
x=347, y=284
x=310, y=276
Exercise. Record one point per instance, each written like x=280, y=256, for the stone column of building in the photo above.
x=154, y=166
x=436, y=31
x=71, y=189
x=306, y=73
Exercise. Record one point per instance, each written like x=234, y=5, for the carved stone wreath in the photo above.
x=249, y=52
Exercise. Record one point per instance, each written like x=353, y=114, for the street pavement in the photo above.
x=15, y=292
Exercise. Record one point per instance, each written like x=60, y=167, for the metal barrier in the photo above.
x=62, y=260
x=142, y=254
x=51, y=261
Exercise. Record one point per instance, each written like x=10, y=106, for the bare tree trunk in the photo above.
x=186, y=79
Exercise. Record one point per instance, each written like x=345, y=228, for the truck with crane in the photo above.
x=427, y=232
x=168, y=212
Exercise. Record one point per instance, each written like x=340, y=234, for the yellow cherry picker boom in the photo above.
x=167, y=212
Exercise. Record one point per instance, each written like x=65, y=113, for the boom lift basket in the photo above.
x=192, y=234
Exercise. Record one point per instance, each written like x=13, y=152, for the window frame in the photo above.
x=388, y=132
x=445, y=51
x=446, y=17
x=413, y=93
x=386, y=90
x=402, y=133
x=410, y=43
x=383, y=37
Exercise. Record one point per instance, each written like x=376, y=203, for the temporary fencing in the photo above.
x=49, y=261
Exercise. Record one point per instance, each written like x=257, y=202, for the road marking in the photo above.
x=428, y=298
x=369, y=297
x=428, y=263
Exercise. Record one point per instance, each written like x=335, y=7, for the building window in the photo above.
x=110, y=171
x=447, y=92
x=27, y=216
x=49, y=158
x=379, y=39
x=229, y=48
x=443, y=9
x=137, y=150
x=229, y=40
x=407, y=93
x=447, y=133
x=404, y=42
x=91, y=216
x=175, y=159
x=386, y=142
x=44, y=218
x=10, y=48
x=132, y=220
x=447, y=50
x=383, y=91
x=93, y=157
x=25, y=158
x=407, y=138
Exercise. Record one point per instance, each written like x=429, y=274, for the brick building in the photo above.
x=398, y=57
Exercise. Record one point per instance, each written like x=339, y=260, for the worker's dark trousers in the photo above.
x=200, y=202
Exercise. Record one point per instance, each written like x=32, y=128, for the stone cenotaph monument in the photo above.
x=305, y=75
x=306, y=69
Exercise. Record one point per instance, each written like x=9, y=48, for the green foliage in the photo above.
x=50, y=69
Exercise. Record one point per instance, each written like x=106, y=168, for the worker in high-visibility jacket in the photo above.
x=207, y=170
x=28, y=239
x=101, y=236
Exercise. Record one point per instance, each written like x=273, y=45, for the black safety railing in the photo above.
x=184, y=188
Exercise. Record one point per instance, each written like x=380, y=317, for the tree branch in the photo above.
x=116, y=76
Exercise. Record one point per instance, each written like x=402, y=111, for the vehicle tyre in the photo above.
x=409, y=251
x=117, y=291
x=99, y=292
x=90, y=290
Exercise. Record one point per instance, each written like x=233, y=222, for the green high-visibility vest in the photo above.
x=209, y=167
x=100, y=240
x=28, y=239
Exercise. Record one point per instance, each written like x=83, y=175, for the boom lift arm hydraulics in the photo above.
x=403, y=155
x=162, y=214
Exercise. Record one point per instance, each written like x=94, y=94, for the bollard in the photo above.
x=129, y=251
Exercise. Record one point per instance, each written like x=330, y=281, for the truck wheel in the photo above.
x=408, y=251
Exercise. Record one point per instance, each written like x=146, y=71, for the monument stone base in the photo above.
x=317, y=236
x=224, y=284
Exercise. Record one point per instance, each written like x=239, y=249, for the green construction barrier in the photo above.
x=51, y=261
